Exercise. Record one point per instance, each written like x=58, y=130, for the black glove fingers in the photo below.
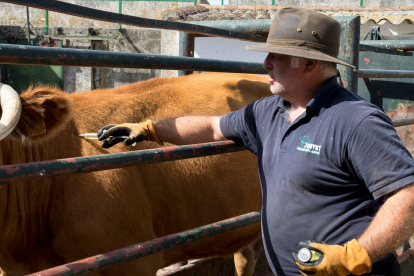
x=307, y=272
x=306, y=244
x=129, y=141
x=295, y=257
x=102, y=133
x=111, y=142
x=119, y=131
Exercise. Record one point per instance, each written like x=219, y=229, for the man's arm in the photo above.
x=392, y=225
x=189, y=130
x=179, y=131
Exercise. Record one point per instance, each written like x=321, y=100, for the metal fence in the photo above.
x=252, y=30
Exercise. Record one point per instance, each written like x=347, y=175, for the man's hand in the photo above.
x=135, y=132
x=335, y=260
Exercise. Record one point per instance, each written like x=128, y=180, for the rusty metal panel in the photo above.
x=389, y=94
x=393, y=95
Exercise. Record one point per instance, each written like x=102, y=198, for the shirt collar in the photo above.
x=322, y=95
x=318, y=100
x=283, y=104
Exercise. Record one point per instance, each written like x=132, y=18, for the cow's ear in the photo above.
x=45, y=111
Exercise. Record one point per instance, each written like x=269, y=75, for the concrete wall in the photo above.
x=16, y=15
x=131, y=39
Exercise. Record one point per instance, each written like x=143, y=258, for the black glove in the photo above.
x=134, y=132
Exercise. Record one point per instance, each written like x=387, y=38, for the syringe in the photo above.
x=95, y=136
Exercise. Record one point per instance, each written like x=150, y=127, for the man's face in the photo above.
x=282, y=76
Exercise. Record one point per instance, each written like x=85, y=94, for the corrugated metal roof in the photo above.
x=376, y=15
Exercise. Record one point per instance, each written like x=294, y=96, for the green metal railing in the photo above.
x=46, y=27
x=76, y=10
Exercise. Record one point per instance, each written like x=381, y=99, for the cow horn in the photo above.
x=12, y=109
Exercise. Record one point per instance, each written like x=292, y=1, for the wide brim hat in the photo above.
x=304, y=33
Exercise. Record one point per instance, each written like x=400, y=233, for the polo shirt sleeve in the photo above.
x=240, y=126
x=377, y=156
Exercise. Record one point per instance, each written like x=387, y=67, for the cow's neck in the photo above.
x=25, y=207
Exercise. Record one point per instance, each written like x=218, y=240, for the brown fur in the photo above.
x=58, y=220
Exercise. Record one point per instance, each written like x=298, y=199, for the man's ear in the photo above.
x=45, y=111
x=311, y=64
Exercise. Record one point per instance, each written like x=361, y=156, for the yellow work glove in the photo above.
x=128, y=133
x=335, y=260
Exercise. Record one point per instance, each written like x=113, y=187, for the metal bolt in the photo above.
x=313, y=32
x=299, y=29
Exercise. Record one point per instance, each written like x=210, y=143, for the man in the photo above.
x=325, y=156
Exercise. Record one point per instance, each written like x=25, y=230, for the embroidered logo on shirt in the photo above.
x=306, y=146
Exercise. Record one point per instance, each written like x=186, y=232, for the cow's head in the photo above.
x=35, y=116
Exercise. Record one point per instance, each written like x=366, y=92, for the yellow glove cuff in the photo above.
x=355, y=258
x=152, y=136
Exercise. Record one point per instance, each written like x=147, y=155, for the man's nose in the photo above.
x=267, y=64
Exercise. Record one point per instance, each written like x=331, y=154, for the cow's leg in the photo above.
x=245, y=261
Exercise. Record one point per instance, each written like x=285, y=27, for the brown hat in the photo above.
x=303, y=33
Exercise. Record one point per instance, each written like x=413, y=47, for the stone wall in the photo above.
x=326, y=3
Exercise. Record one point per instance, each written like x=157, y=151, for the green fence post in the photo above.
x=46, y=27
x=349, y=51
x=28, y=26
x=361, y=4
x=120, y=12
x=186, y=48
x=273, y=2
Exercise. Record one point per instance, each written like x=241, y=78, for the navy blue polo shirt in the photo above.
x=321, y=174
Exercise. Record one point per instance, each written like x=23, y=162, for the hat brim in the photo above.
x=297, y=52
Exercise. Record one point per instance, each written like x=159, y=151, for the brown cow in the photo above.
x=50, y=222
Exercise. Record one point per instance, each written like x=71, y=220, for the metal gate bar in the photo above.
x=76, y=10
x=406, y=45
x=251, y=26
x=403, y=122
x=46, y=169
x=18, y=54
x=379, y=73
x=136, y=251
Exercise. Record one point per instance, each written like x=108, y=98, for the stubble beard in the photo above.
x=277, y=89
